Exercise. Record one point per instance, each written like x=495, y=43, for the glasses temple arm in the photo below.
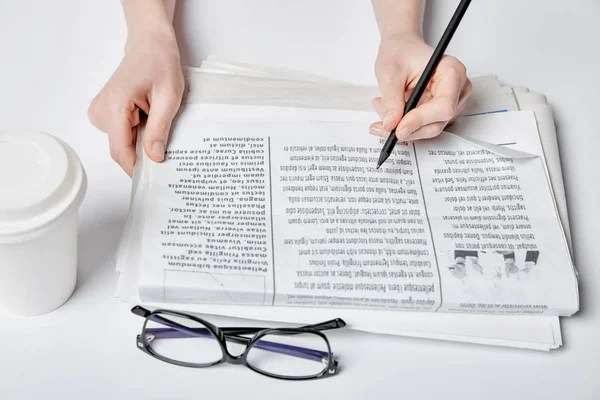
x=294, y=351
x=321, y=326
x=141, y=311
x=327, y=325
x=335, y=323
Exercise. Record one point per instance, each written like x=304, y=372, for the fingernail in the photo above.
x=403, y=133
x=158, y=148
x=377, y=131
x=388, y=117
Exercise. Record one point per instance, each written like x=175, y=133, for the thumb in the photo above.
x=163, y=109
x=392, y=88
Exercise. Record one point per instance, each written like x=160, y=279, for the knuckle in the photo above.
x=114, y=153
x=95, y=110
x=181, y=81
x=433, y=132
x=172, y=93
x=125, y=109
x=447, y=110
x=380, y=69
x=130, y=106
x=106, y=96
x=107, y=105
x=468, y=87
x=430, y=132
x=379, y=64
x=92, y=114
x=174, y=88
x=459, y=67
x=454, y=67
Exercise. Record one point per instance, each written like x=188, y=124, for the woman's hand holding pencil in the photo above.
x=399, y=65
x=422, y=89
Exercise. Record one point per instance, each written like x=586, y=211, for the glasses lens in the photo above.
x=287, y=354
x=182, y=339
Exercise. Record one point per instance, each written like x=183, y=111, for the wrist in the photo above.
x=154, y=38
x=399, y=19
x=163, y=36
x=413, y=34
x=148, y=22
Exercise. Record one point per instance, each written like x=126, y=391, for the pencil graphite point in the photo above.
x=382, y=157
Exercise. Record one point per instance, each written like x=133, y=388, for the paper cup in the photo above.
x=42, y=185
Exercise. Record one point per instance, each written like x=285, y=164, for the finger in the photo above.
x=98, y=110
x=466, y=91
x=392, y=87
x=376, y=103
x=117, y=121
x=121, y=139
x=377, y=130
x=442, y=106
x=462, y=100
x=437, y=110
x=134, y=120
x=427, y=131
x=163, y=108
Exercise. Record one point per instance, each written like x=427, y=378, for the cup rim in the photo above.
x=72, y=200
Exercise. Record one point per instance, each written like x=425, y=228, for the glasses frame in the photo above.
x=234, y=334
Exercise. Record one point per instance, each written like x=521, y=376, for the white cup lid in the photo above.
x=40, y=178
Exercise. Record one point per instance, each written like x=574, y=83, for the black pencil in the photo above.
x=437, y=55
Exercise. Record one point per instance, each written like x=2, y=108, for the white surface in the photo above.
x=57, y=55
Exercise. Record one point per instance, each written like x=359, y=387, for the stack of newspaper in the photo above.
x=269, y=206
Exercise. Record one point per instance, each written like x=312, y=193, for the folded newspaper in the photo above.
x=269, y=205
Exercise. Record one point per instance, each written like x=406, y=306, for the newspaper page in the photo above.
x=272, y=206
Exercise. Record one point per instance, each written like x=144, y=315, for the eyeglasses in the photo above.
x=285, y=353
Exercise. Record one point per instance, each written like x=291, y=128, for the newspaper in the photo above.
x=283, y=206
x=489, y=97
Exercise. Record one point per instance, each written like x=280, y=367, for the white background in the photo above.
x=54, y=57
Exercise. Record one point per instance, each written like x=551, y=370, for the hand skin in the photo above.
x=149, y=79
x=402, y=57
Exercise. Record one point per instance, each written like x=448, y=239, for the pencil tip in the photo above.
x=382, y=157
